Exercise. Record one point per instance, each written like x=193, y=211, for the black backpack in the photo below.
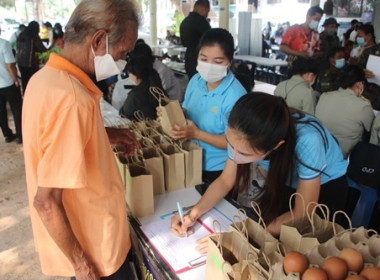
x=364, y=166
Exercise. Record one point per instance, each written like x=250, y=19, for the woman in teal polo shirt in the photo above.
x=297, y=153
x=209, y=98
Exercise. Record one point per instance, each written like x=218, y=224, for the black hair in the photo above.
x=264, y=120
x=142, y=49
x=350, y=75
x=32, y=29
x=305, y=65
x=203, y=3
x=142, y=67
x=314, y=10
x=48, y=24
x=367, y=28
x=354, y=21
x=334, y=51
x=221, y=37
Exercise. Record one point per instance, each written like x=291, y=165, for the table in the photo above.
x=263, y=61
x=164, y=204
x=264, y=87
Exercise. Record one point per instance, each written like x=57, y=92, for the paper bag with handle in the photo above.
x=193, y=163
x=139, y=187
x=170, y=109
x=228, y=253
x=174, y=167
x=155, y=164
x=302, y=234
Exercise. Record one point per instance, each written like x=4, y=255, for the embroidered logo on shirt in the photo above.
x=214, y=109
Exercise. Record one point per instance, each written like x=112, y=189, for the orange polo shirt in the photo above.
x=67, y=147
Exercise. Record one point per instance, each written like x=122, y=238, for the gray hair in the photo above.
x=114, y=16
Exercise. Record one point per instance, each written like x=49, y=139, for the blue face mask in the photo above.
x=360, y=41
x=314, y=24
x=339, y=63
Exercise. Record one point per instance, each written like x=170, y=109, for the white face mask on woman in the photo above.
x=211, y=72
x=105, y=65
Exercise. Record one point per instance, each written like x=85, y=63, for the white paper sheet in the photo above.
x=373, y=64
x=179, y=252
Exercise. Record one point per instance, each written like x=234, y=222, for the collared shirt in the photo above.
x=209, y=110
x=296, y=38
x=297, y=94
x=6, y=57
x=318, y=153
x=67, y=147
x=346, y=116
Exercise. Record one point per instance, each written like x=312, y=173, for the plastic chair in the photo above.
x=365, y=205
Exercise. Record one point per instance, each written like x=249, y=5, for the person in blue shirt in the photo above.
x=297, y=153
x=209, y=98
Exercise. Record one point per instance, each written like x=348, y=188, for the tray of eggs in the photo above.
x=352, y=255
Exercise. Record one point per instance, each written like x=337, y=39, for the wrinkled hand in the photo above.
x=368, y=74
x=189, y=131
x=86, y=272
x=123, y=137
x=180, y=229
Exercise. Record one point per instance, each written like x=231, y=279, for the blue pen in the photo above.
x=180, y=213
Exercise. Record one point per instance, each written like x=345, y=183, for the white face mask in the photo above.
x=105, y=65
x=242, y=159
x=314, y=24
x=211, y=72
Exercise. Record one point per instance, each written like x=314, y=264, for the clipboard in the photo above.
x=167, y=245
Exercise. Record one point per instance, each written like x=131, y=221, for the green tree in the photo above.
x=7, y=3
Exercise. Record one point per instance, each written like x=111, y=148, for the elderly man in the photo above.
x=75, y=192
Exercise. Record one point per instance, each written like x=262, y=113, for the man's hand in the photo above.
x=86, y=272
x=123, y=137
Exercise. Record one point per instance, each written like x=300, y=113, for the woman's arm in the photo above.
x=215, y=192
x=191, y=131
x=309, y=189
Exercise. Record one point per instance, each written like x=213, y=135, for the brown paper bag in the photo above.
x=139, y=190
x=170, y=109
x=174, y=167
x=304, y=233
x=121, y=163
x=256, y=233
x=226, y=251
x=155, y=165
x=193, y=163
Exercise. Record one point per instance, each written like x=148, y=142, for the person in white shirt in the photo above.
x=9, y=92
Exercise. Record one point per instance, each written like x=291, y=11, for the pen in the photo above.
x=180, y=214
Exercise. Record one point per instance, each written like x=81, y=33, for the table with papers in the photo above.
x=171, y=257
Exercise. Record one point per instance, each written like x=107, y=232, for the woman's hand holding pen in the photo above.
x=180, y=229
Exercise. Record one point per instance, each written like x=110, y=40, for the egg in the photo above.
x=336, y=268
x=353, y=258
x=295, y=262
x=356, y=277
x=314, y=273
x=371, y=273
